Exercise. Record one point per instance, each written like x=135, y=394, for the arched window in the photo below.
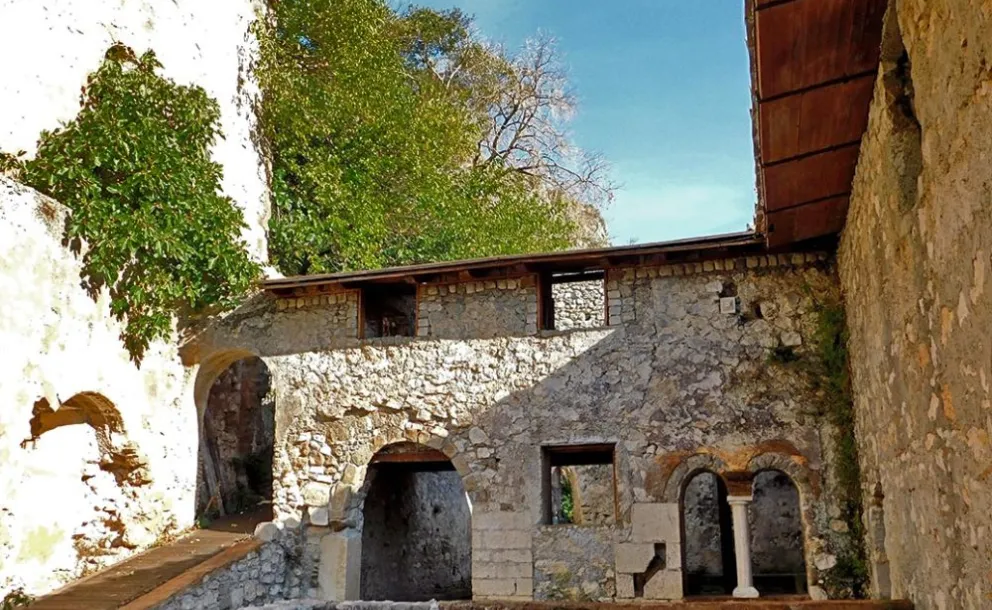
x=237, y=446
x=417, y=527
x=775, y=519
x=708, y=566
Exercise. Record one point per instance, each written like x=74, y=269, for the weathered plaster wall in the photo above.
x=914, y=262
x=676, y=385
x=201, y=43
x=62, y=509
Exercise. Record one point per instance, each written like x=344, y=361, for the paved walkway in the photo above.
x=134, y=577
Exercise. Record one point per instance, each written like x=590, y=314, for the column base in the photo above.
x=745, y=592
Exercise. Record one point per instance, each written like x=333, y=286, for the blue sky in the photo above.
x=663, y=88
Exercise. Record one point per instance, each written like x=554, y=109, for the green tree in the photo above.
x=135, y=171
x=371, y=163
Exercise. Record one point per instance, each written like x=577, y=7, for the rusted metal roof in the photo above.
x=568, y=261
x=814, y=64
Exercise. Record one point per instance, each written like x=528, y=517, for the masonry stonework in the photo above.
x=673, y=386
x=914, y=266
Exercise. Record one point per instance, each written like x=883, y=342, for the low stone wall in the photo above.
x=260, y=577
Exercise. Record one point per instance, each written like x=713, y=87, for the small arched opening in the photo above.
x=708, y=564
x=417, y=527
x=237, y=443
x=775, y=520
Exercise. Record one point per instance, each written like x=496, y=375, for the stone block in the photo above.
x=666, y=584
x=340, y=567
x=494, y=587
x=625, y=586
x=673, y=556
x=655, y=522
x=316, y=494
x=633, y=557
x=267, y=531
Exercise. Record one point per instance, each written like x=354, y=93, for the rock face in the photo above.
x=914, y=265
x=670, y=386
x=203, y=43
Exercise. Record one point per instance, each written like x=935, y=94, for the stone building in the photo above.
x=602, y=425
x=423, y=415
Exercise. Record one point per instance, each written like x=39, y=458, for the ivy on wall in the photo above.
x=828, y=371
x=147, y=213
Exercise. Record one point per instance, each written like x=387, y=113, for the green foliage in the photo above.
x=371, y=158
x=567, y=500
x=16, y=598
x=829, y=376
x=135, y=170
x=834, y=381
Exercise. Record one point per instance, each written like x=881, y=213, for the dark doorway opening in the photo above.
x=708, y=562
x=417, y=532
x=237, y=446
x=777, y=552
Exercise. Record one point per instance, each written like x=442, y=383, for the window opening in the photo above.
x=579, y=485
x=389, y=310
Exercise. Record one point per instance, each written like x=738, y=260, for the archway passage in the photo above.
x=708, y=562
x=237, y=445
x=417, y=531
x=775, y=520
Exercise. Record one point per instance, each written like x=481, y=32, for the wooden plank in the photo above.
x=819, y=176
x=815, y=120
x=420, y=456
x=804, y=43
x=817, y=219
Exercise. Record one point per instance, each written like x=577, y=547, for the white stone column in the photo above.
x=742, y=546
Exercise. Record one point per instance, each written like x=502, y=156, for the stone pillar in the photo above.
x=340, y=568
x=742, y=546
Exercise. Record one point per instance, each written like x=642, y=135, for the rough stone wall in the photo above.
x=914, y=262
x=257, y=578
x=66, y=507
x=701, y=523
x=776, y=526
x=201, y=43
x=417, y=536
x=574, y=562
x=674, y=383
x=593, y=493
x=483, y=309
x=579, y=304
x=239, y=433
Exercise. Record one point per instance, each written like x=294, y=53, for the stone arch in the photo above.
x=416, y=525
x=234, y=396
x=688, y=468
x=806, y=487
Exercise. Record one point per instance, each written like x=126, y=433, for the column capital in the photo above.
x=739, y=500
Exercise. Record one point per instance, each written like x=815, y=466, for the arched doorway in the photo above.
x=775, y=520
x=417, y=527
x=708, y=562
x=237, y=446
